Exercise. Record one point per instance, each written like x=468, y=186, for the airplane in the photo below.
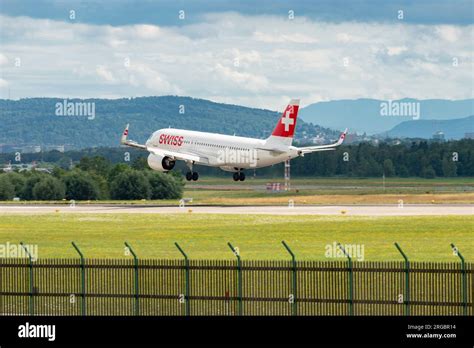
x=228, y=152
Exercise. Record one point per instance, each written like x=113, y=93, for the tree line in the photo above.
x=94, y=178
x=105, y=173
x=416, y=159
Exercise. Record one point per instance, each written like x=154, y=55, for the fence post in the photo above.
x=293, y=259
x=135, y=258
x=186, y=296
x=407, y=280
x=83, y=279
x=351, y=293
x=464, y=280
x=32, y=304
x=239, y=276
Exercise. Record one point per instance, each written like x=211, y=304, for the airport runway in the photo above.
x=351, y=210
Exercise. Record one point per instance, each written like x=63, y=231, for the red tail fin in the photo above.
x=287, y=123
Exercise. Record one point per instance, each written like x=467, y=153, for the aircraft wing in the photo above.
x=162, y=152
x=329, y=147
x=272, y=149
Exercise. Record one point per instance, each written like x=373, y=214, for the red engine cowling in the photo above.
x=160, y=163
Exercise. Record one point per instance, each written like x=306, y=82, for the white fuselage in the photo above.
x=217, y=150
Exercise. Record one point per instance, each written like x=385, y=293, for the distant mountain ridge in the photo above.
x=367, y=115
x=452, y=129
x=51, y=121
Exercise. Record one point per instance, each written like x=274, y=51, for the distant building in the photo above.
x=59, y=148
x=24, y=167
x=7, y=148
x=318, y=139
x=25, y=148
x=31, y=149
x=438, y=136
x=469, y=135
x=43, y=170
x=351, y=138
x=8, y=168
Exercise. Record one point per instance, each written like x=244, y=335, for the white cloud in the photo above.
x=105, y=74
x=142, y=74
x=147, y=31
x=3, y=59
x=282, y=38
x=245, y=81
x=449, y=32
x=396, y=50
x=252, y=60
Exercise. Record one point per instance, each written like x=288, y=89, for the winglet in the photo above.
x=342, y=137
x=123, y=140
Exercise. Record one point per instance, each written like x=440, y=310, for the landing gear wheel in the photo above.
x=189, y=176
x=236, y=176
x=195, y=176
x=242, y=176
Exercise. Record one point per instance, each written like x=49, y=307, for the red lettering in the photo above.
x=174, y=140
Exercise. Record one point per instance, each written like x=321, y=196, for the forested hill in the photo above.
x=35, y=121
x=365, y=115
x=452, y=129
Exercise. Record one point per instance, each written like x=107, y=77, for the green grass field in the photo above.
x=415, y=181
x=333, y=191
x=224, y=191
x=205, y=236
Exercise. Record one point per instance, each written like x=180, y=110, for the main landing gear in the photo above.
x=239, y=176
x=191, y=175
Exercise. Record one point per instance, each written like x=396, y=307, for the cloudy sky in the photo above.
x=237, y=52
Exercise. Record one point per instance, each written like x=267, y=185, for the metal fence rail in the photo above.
x=233, y=287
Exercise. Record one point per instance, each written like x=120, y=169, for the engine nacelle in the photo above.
x=160, y=163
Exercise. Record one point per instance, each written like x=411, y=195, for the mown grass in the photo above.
x=205, y=236
x=222, y=197
x=414, y=181
x=227, y=197
x=316, y=191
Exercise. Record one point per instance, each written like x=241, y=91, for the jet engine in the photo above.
x=160, y=163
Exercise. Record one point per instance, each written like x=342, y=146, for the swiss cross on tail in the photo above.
x=287, y=123
x=124, y=135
